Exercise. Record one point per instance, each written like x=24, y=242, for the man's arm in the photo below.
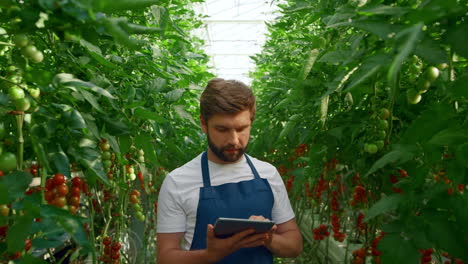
x=169, y=251
x=286, y=240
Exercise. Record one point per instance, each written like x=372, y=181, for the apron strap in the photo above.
x=205, y=171
x=252, y=167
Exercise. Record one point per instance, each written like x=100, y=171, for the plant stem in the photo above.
x=19, y=154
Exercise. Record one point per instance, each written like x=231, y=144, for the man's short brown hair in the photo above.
x=226, y=97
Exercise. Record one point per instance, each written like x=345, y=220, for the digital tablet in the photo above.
x=225, y=227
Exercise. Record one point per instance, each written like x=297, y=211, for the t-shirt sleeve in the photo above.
x=171, y=216
x=282, y=210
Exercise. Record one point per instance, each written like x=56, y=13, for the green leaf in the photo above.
x=184, y=114
x=44, y=243
x=383, y=10
x=458, y=38
x=125, y=143
x=120, y=35
x=458, y=87
x=87, y=85
x=91, y=99
x=38, y=145
x=384, y=205
x=369, y=68
x=444, y=234
x=412, y=35
x=156, y=85
x=59, y=159
x=18, y=233
x=461, y=154
x=74, y=226
x=96, y=54
x=15, y=184
x=431, y=51
x=29, y=259
x=161, y=16
x=397, y=249
x=174, y=95
x=115, y=127
x=291, y=124
x=122, y=5
x=112, y=142
x=337, y=56
x=398, y=155
x=146, y=114
x=148, y=144
x=74, y=120
x=450, y=136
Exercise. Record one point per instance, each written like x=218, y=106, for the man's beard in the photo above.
x=223, y=155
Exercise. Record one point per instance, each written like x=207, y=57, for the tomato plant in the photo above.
x=356, y=83
x=87, y=91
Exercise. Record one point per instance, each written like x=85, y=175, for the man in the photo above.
x=224, y=182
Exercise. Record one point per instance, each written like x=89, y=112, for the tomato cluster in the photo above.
x=361, y=225
x=375, y=252
x=359, y=196
x=111, y=251
x=426, y=255
x=135, y=201
x=57, y=192
x=381, y=126
x=337, y=234
x=359, y=256
x=425, y=81
x=321, y=232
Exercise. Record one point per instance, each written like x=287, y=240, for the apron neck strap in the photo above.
x=206, y=171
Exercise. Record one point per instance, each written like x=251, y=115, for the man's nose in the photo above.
x=234, y=138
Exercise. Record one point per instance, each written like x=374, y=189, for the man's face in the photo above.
x=228, y=135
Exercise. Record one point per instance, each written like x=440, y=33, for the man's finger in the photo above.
x=210, y=231
x=241, y=235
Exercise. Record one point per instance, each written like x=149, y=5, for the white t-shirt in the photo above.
x=178, y=197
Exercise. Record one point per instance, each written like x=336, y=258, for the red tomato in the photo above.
x=59, y=179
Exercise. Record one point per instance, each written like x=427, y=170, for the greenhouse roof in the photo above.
x=234, y=30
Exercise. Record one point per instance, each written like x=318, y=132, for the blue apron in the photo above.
x=236, y=200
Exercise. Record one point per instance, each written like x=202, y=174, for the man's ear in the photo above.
x=204, y=125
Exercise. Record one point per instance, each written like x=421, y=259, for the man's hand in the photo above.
x=218, y=248
x=269, y=233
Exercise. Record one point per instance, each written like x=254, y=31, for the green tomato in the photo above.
x=432, y=73
x=380, y=144
x=107, y=164
x=20, y=40
x=7, y=161
x=384, y=113
x=106, y=155
x=34, y=92
x=371, y=148
x=381, y=134
x=22, y=104
x=37, y=57
x=383, y=124
x=413, y=96
x=4, y=210
x=140, y=216
x=15, y=93
x=29, y=51
x=423, y=85
x=442, y=66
